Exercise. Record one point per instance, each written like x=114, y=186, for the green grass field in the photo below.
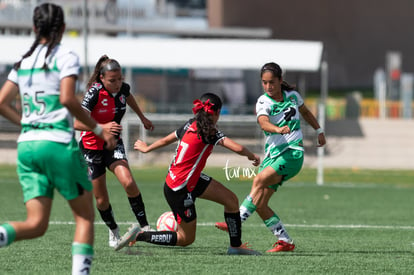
x=358, y=222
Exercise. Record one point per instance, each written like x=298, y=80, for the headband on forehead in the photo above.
x=273, y=67
x=112, y=65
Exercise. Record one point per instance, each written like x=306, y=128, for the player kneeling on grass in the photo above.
x=185, y=182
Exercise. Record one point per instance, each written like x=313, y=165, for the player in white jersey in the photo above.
x=48, y=155
x=277, y=112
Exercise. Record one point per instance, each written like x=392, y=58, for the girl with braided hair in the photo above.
x=185, y=181
x=48, y=154
x=106, y=101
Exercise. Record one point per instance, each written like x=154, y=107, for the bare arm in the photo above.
x=144, y=148
x=312, y=121
x=240, y=149
x=269, y=127
x=8, y=93
x=134, y=106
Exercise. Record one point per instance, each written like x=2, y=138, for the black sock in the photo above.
x=159, y=238
x=234, y=226
x=138, y=207
x=108, y=217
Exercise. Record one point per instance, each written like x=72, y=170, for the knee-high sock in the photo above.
x=160, y=238
x=277, y=228
x=138, y=207
x=234, y=225
x=247, y=208
x=7, y=234
x=108, y=217
x=82, y=255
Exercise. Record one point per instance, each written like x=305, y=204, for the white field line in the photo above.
x=322, y=226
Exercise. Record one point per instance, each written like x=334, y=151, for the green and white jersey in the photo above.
x=43, y=117
x=281, y=114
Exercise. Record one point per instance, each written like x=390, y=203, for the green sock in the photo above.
x=247, y=208
x=275, y=225
x=273, y=220
x=7, y=234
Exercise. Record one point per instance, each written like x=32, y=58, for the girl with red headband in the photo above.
x=185, y=181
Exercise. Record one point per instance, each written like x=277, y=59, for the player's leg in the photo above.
x=35, y=225
x=123, y=173
x=289, y=166
x=274, y=224
x=256, y=198
x=184, y=236
x=182, y=204
x=37, y=192
x=105, y=209
x=82, y=246
x=73, y=184
x=97, y=172
x=218, y=193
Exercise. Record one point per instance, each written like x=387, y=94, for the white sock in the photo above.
x=280, y=232
x=244, y=213
x=81, y=264
x=3, y=236
x=247, y=208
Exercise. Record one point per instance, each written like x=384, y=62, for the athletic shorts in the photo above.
x=182, y=202
x=99, y=160
x=287, y=164
x=43, y=166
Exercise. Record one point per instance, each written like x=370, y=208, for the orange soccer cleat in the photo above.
x=222, y=226
x=280, y=246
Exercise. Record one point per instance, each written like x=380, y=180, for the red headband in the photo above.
x=206, y=106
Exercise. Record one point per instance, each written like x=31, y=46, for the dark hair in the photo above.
x=277, y=72
x=103, y=65
x=48, y=22
x=206, y=129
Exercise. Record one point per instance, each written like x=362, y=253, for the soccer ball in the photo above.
x=167, y=222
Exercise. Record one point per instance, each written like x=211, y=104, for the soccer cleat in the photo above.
x=242, y=250
x=148, y=228
x=280, y=246
x=114, y=237
x=128, y=238
x=222, y=226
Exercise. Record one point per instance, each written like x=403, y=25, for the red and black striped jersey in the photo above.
x=190, y=157
x=104, y=107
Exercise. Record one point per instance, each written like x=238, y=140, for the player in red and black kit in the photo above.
x=106, y=101
x=185, y=181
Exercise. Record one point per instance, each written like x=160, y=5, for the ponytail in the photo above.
x=103, y=65
x=203, y=109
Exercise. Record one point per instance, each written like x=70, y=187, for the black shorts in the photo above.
x=99, y=160
x=182, y=202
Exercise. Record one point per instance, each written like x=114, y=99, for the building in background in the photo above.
x=357, y=35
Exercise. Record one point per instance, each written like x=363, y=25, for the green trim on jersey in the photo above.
x=278, y=107
x=28, y=72
x=41, y=104
x=274, y=151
